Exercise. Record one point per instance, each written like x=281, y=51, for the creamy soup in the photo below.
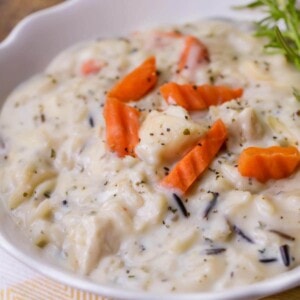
x=108, y=216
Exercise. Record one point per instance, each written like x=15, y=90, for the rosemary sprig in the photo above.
x=281, y=26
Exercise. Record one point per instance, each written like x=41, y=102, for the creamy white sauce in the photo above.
x=107, y=217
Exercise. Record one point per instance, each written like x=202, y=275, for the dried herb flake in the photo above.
x=186, y=131
x=53, y=153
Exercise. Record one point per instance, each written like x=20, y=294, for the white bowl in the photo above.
x=37, y=39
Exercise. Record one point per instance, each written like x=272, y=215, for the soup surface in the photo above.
x=107, y=213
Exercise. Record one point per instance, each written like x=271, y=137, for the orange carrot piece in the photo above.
x=268, y=163
x=185, y=95
x=194, y=52
x=198, y=98
x=137, y=83
x=91, y=66
x=122, y=127
x=195, y=162
x=215, y=95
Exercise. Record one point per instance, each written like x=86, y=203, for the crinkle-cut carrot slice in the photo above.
x=193, y=97
x=122, y=127
x=268, y=163
x=90, y=66
x=137, y=83
x=218, y=94
x=195, y=162
x=194, y=52
x=185, y=95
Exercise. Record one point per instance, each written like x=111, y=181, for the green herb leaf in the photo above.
x=281, y=26
x=253, y=4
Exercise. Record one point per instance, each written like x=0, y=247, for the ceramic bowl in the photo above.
x=41, y=36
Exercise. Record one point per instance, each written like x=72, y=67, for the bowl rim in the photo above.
x=270, y=286
x=23, y=23
x=257, y=290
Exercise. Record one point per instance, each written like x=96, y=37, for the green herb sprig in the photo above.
x=281, y=26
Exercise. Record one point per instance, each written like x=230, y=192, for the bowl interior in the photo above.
x=32, y=45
